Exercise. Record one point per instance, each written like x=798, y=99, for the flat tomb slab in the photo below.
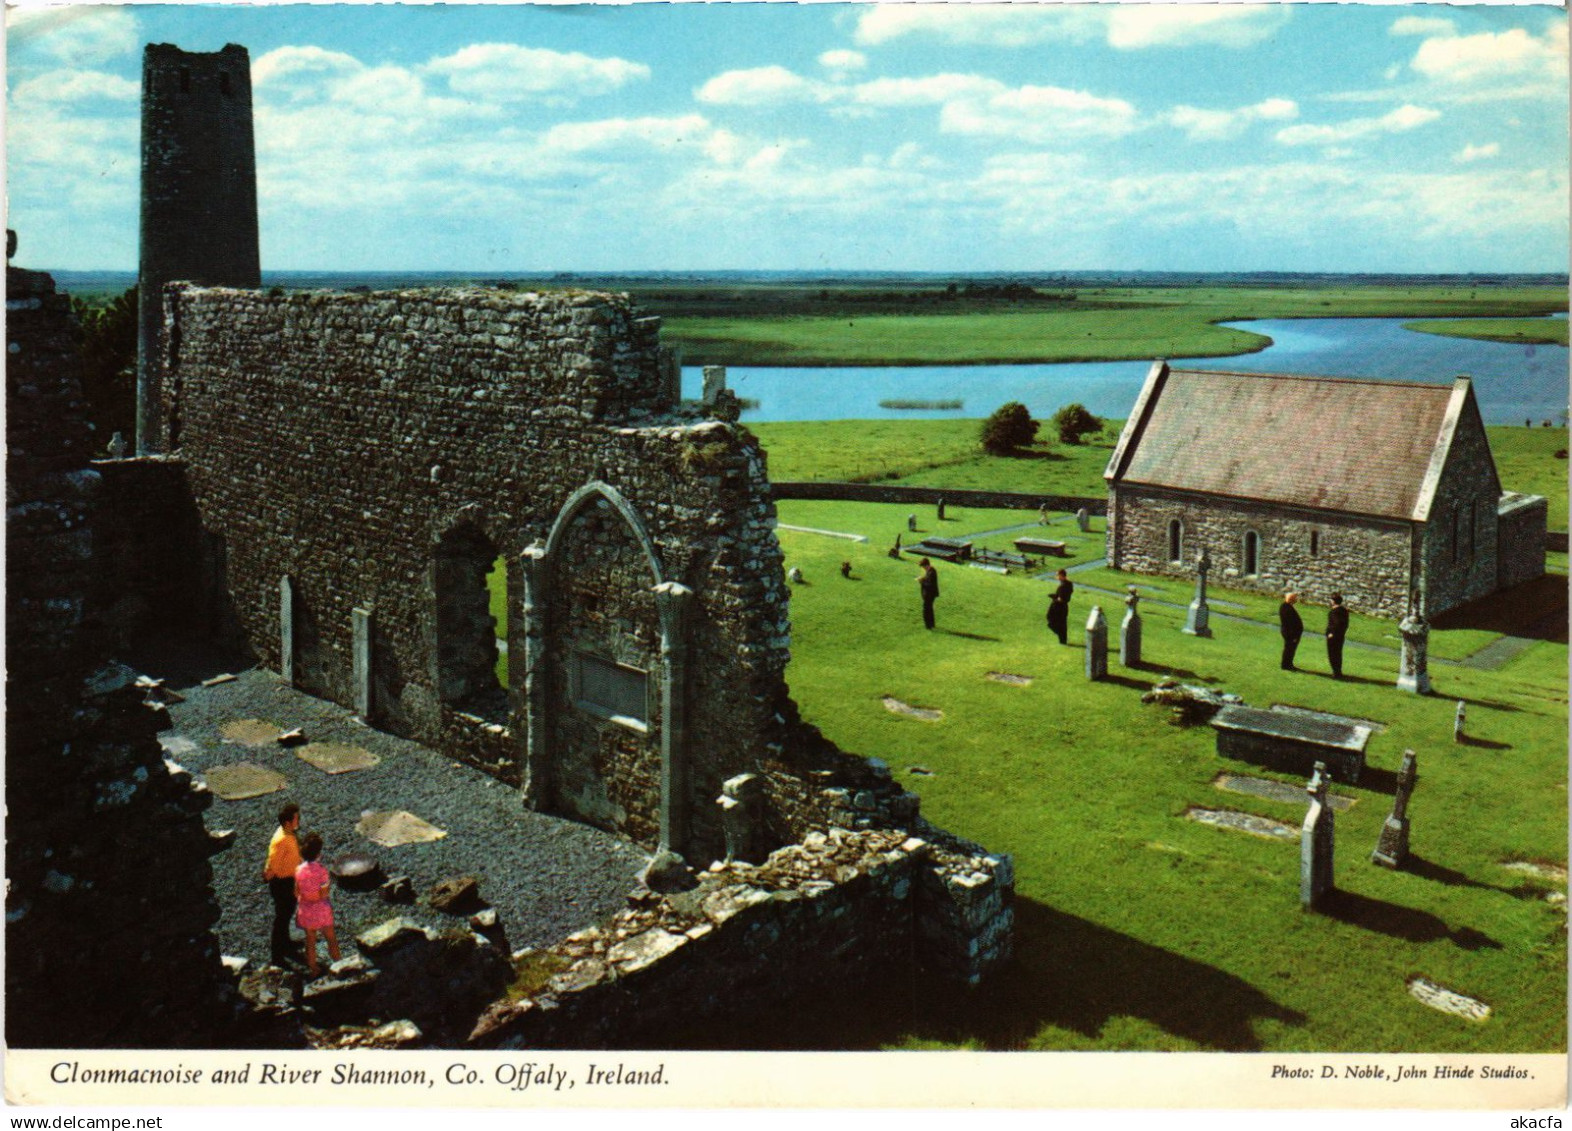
x=250, y=732
x=1276, y=790
x=1011, y=678
x=393, y=827
x=927, y=714
x=1045, y=546
x=1242, y=823
x=337, y=758
x=243, y=780
x=1448, y=1001
x=1293, y=742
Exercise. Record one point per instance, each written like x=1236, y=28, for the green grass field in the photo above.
x=784, y=326
x=1529, y=331
x=945, y=453
x=1137, y=928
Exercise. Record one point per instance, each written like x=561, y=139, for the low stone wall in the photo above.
x=824, y=916
x=929, y=496
x=1522, y=540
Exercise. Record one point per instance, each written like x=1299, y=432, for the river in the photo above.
x=1514, y=383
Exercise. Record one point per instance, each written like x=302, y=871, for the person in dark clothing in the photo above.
x=928, y=586
x=283, y=857
x=1293, y=627
x=1059, y=608
x=1336, y=632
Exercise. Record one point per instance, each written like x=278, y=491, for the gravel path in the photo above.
x=545, y=876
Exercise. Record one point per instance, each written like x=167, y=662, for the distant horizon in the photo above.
x=1324, y=139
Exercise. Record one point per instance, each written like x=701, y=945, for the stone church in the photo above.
x=1384, y=491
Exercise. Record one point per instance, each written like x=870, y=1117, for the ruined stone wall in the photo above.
x=148, y=579
x=827, y=917
x=928, y=496
x=337, y=440
x=1520, y=539
x=1368, y=561
x=109, y=907
x=1459, y=545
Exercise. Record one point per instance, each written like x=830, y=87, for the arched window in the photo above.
x=1315, y=543
x=1252, y=553
x=1176, y=541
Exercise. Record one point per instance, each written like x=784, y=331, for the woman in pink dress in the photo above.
x=314, y=913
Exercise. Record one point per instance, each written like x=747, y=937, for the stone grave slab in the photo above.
x=927, y=714
x=250, y=732
x=1243, y=823
x=178, y=745
x=1310, y=712
x=1292, y=743
x=337, y=758
x=243, y=780
x=1011, y=678
x=393, y=827
x=1448, y=1001
x=1275, y=790
x=1552, y=872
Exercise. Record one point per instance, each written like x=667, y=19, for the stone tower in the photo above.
x=199, y=196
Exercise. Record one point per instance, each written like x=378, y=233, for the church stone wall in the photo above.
x=1520, y=539
x=1459, y=546
x=1314, y=554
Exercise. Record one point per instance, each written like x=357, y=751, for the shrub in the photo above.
x=1073, y=421
x=1010, y=427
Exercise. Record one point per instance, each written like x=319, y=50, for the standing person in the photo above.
x=1292, y=628
x=928, y=586
x=1336, y=632
x=316, y=913
x=1059, y=608
x=283, y=857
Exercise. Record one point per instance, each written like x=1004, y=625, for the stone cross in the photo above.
x=1083, y=520
x=1042, y=514
x=1458, y=720
x=1392, y=848
x=1414, y=673
x=1197, y=621
x=1130, y=631
x=1096, y=645
x=1316, y=843
x=714, y=384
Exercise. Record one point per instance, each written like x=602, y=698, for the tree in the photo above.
x=1073, y=421
x=109, y=335
x=1010, y=427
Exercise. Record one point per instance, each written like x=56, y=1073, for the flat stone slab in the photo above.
x=1243, y=823
x=178, y=745
x=1297, y=726
x=927, y=714
x=1448, y=1001
x=1289, y=709
x=336, y=758
x=250, y=732
x=1552, y=872
x=393, y=827
x=1276, y=790
x=243, y=780
x=1012, y=679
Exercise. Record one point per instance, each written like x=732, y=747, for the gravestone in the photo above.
x=911, y=523
x=1458, y=720
x=1414, y=674
x=1392, y=848
x=1197, y=620
x=1083, y=520
x=1042, y=515
x=940, y=508
x=1130, y=631
x=714, y=384
x=361, y=662
x=1096, y=645
x=286, y=631
x=1316, y=843
x=118, y=446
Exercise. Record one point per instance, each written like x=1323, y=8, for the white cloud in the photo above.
x=75, y=35
x=1422, y=25
x=691, y=130
x=929, y=91
x=293, y=71
x=1477, y=152
x=74, y=86
x=1039, y=114
x=1491, y=56
x=843, y=60
x=1185, y=25
x=1220, y=125
x=1402, y=119
x=761, y=86
x=508, y=72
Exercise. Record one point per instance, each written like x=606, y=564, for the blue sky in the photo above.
x=1318, y=137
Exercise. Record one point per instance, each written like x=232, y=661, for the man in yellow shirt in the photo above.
x=283, y=857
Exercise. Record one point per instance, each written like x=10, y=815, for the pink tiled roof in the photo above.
x=1333, y=443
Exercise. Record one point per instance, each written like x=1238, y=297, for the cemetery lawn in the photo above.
x=1137, y=928
x=1529, y=331
x=946, y=453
